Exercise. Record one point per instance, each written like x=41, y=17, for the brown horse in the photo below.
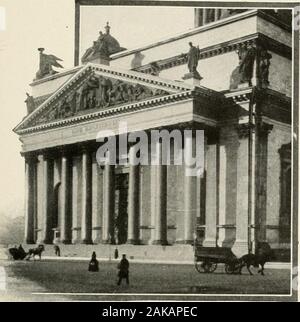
x=35, y=251
x=263, y=254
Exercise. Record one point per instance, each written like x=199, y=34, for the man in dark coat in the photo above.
x=123, y=270
x=57, y=250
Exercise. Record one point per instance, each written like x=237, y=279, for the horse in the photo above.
x=35, y=251
x=263, y=254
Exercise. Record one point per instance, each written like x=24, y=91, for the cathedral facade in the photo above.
x=230, y=76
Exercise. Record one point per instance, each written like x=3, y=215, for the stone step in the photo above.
x=140, y=252
x=3, y=253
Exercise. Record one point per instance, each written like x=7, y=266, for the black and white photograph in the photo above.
x=149, y=152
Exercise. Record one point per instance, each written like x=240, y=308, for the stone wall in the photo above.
x=280, y=76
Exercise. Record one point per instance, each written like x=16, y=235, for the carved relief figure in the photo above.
x=99, y=92
x=243, y=73
x=105, y=85
x=88, y=93
x=264, y=65
x=247, y=59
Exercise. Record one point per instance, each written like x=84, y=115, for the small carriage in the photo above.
x=17, y=253
x=208, y=258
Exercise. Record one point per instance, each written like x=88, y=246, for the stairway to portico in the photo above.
x=184, y=253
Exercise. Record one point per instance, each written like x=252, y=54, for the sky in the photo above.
x=26, y=25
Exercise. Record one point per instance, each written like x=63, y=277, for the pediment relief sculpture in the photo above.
x=98, y=92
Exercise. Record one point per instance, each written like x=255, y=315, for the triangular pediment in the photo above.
x=95, y=88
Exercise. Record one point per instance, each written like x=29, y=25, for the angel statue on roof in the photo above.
x=46, y=64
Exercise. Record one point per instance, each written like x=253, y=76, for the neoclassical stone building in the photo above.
x=239, y=94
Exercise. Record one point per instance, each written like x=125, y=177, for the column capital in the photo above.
x=64, y=152
x=30, y=157
x=264, y=128
x=243, y=130
x=84, y=148
x=212, y=137
x=45, y=155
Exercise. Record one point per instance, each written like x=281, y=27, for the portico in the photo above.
x=238, y=198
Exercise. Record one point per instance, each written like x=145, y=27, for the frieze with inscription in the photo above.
x=98, y=92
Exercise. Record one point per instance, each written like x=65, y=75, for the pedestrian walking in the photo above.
x=123, y=270
x=57, y=250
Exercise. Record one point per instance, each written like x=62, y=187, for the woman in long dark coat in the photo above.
x=94, y=264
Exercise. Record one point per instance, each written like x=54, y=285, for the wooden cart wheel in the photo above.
x=199, y=267
x=209, y=267
x=230, y=268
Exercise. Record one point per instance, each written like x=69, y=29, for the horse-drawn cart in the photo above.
x=208, y=258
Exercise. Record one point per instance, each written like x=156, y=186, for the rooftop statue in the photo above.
x=104, y=46
x=193, y=57
x=247, y=57
x=46, y=63
x=263, y=68
x=243, y=73
x=29, y=103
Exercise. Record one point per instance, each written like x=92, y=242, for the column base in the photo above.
x=240, y=248
x=160, y=242
x=76, y=235
x=46, y=242
x=133, y=242
x=29, y=241
x=107, y=242
x=184, y=242
x=97, y=240
x=76, y=241
x=86, y=242
x=66, y=242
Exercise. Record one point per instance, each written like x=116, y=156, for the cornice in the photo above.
x=239, y=95
x=222, y=48
x=109, y=112
x=263, y=14
x=198, y=30
x=41, y=99
x=55, y=76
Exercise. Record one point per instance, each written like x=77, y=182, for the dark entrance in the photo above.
x=55, y=213
x=121, y=208
x=285, y=194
